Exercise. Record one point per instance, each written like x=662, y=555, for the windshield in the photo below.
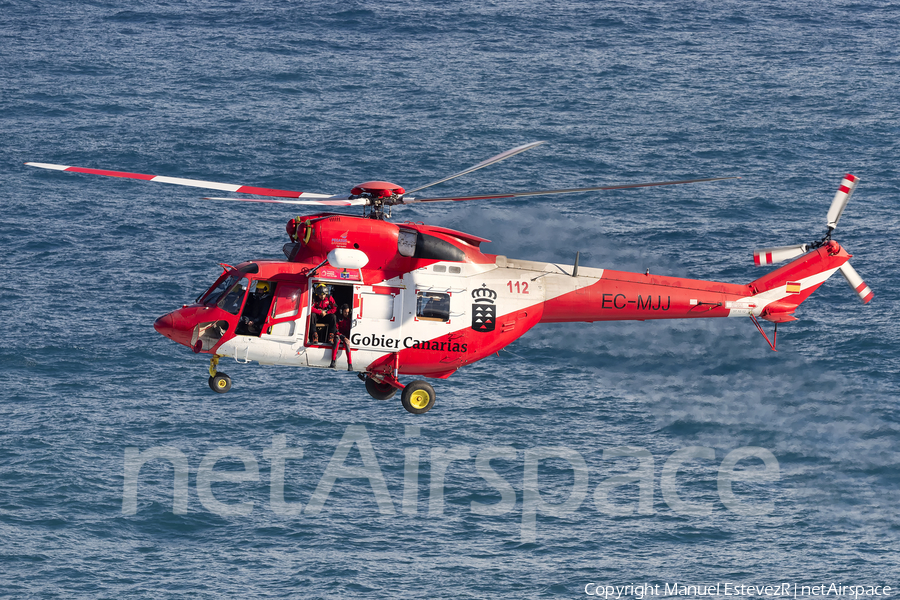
x=224, y=284
x=233, y=297
x=228, y=294
x=212, y=295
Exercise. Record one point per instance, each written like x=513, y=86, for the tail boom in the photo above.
x=619, y=295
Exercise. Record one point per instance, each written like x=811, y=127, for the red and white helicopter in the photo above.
x=426, y=300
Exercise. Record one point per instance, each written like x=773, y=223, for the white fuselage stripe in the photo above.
x=762, y=300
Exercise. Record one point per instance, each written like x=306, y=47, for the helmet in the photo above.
x=263, y=287
x=322, y=289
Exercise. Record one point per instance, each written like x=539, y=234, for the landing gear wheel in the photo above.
x=418, y=397
x=220, y=383
x=380, y=391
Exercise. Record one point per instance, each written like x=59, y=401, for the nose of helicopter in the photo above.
x=174, y=327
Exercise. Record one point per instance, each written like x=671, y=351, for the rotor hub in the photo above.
x=381, y=195
x=378, y=189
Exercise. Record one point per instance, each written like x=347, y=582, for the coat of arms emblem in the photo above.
x=484, y=311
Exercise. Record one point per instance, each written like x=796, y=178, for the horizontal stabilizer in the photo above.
x=779, y=312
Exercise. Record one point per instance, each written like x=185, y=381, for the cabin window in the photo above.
x=376, y=306
x=440, y=268
x=433, y=306
x=456, y=270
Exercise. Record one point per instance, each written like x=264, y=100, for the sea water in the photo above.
x=649, y=454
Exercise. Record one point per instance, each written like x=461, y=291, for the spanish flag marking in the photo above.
x=793, y=287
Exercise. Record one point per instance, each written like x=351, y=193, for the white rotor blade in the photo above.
x=329, y=201
x=770, y=256
x=856, y=282
x=405, y=200
x=224, y=187
x=841, y=198
x=482, y=164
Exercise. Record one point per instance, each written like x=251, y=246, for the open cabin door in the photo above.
x=317, y=329
x=375, y=313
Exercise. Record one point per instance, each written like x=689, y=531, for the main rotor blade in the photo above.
x=225, y=187
x=566, y=191
x=481, y=165
x=333, y=201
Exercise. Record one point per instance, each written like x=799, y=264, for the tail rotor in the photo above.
x=856, y=282
x=841, y=198
x=770, y=256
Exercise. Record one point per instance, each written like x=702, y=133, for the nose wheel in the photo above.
x=218, y=382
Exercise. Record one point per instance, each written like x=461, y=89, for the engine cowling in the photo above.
x=385, y=244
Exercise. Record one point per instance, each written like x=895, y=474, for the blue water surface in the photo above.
x=320, y=96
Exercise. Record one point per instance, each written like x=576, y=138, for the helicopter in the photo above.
x=424, y=301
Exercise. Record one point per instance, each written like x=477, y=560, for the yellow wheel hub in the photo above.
x=419, y=399
x=222, y=383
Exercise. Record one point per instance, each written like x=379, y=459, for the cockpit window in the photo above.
x=233, y=296
x=228, y=294
x=213, y=294
x=219, y=292
x=223, y=284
